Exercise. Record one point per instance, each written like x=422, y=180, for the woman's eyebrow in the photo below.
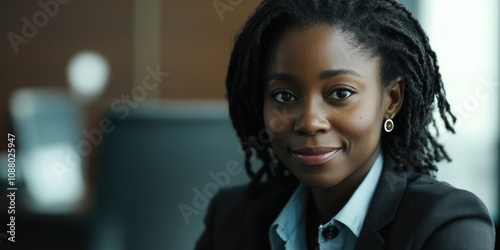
x=324, y=75
x=332, y=73
x=281, y=77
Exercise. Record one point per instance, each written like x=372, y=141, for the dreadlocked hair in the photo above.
x=381, y=28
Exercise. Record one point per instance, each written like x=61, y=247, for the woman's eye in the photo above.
x=341, y=94
x=284, y=97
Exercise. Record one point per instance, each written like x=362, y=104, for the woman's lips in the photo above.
x=314, y=156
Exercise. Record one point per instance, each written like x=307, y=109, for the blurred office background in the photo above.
x=122, y=133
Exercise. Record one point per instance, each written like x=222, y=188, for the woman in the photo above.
x=337, y=98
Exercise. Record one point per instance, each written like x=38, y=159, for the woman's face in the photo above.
x=324, y=106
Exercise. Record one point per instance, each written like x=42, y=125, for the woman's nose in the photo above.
x=312, y=119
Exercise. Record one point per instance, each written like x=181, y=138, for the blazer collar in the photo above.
x=260, y=215
x=383, y=207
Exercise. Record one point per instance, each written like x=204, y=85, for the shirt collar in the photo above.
x=354, y=212
x=289, y=226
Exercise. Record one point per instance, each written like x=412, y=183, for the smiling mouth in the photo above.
x=314, y=156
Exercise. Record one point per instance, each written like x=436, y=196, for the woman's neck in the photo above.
x=326, y=203
x=322, y=205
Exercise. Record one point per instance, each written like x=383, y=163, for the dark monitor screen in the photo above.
x=158, y=169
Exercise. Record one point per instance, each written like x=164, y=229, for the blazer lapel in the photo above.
x=384, y=206
x=260, y=214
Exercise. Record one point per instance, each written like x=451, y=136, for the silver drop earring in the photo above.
x=389, y=124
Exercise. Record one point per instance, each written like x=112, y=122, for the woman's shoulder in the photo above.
x=422, y=190
x=432, y=211
x=428, y=191
x=240, y=211
x=262, y=199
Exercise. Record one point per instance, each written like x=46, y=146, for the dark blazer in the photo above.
x=409, y=210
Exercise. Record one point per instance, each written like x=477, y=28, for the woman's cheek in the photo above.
x=362, y=127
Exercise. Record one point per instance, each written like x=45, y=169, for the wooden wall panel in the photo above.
x=101, y=26
x=196, y=44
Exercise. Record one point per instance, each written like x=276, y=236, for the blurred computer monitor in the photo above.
x=158, y=168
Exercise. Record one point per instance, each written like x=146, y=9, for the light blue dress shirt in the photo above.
x=288, y=231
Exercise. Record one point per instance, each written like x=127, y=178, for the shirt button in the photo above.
x=330, y=232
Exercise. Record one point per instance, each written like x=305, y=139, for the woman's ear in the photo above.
x=394, y=95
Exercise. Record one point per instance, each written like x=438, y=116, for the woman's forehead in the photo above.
x=319, y=47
